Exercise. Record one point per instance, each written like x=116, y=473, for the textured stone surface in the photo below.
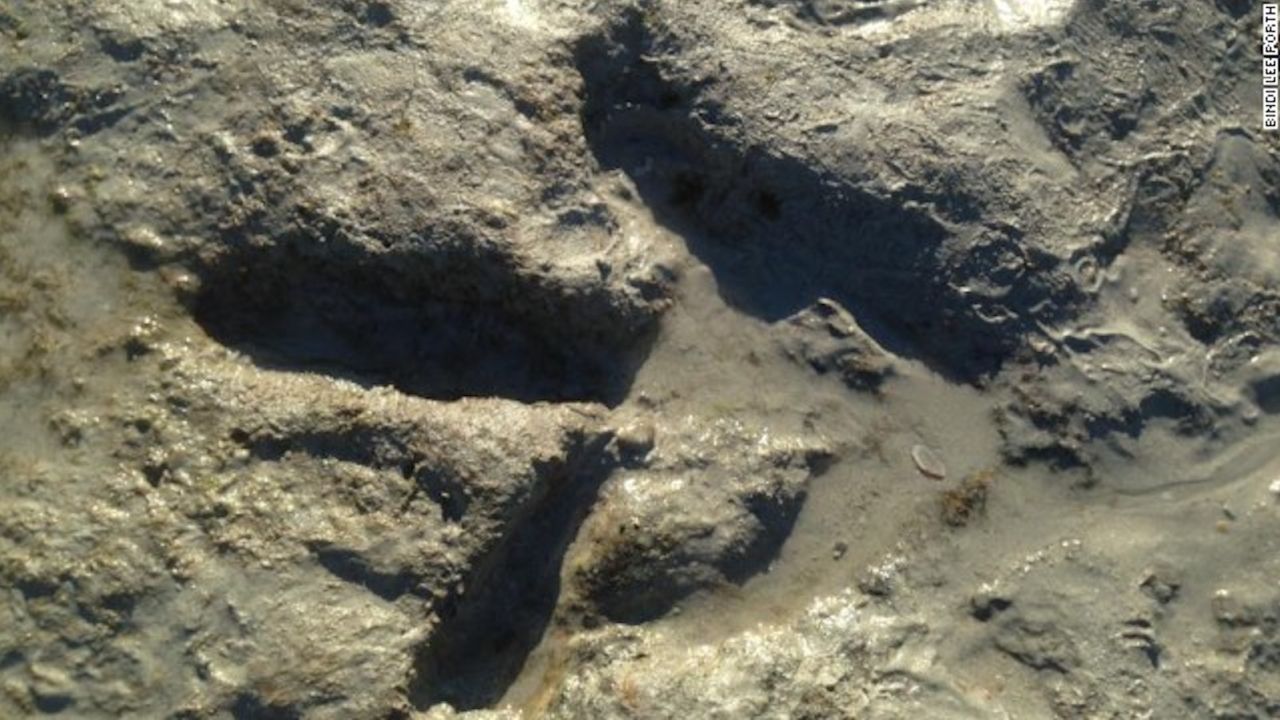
x=391, y=358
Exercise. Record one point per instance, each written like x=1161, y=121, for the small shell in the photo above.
x=928, y=462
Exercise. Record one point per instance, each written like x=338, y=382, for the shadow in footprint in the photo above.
x=344, y=319
x=780, y=233
x=482, y=645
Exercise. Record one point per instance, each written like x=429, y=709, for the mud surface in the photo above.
x=652, y=359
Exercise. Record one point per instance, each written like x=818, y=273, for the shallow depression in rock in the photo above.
x=347, y=322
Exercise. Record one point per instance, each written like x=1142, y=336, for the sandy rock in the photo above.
x=393, y=359
x=698, y=515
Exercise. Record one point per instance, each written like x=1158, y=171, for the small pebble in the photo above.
x=928, y=462
x=1275, y=487
x=838, y=550
x=636, y=438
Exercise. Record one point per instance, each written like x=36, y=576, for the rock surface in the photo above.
x=393, y=359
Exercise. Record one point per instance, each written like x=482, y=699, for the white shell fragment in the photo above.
x=928, y=462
